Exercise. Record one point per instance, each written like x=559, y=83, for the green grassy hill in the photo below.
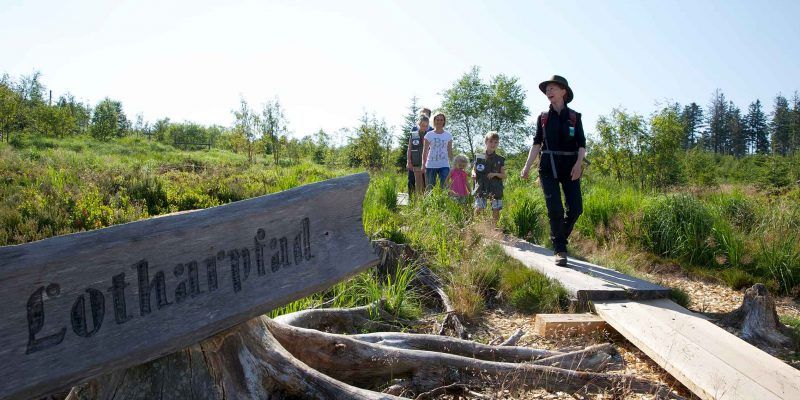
x=54, y=186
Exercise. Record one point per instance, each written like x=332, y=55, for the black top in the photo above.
x=415, y=144
x=489, y=187
x=559, y=139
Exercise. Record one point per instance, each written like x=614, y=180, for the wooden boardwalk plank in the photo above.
x=707, y=359
x=84, y=304
x=583, y=280
x=402, y=199
x=555, y=325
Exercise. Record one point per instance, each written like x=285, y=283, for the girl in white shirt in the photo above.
x=437, y=152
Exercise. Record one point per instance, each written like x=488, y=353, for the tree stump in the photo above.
x=757, y=319
x=245, y=362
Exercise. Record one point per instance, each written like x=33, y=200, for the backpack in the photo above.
x=573, y=122
x=573, y=118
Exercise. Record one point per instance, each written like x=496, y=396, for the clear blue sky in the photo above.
x=329, y=61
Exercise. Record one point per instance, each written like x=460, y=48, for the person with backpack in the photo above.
x=416, y=178
x=560, y=140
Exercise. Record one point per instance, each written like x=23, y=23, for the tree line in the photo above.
x=685, y=144
x=724, y=128
x=626, y=145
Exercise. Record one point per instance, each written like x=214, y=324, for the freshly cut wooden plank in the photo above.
x=583, y=280
x=402, y=199
x=79, y=305
x=707, y=359
x=554, y=325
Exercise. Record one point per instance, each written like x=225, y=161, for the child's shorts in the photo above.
x=459, y=199
x=480, y=202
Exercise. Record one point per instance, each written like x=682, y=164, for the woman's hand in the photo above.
x=525, y=173
x=577, y=170
x=409, y=166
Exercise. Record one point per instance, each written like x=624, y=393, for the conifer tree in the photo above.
x=794, y=124
x=781, y=127
x=756, y=128
x=718, y=134
x=692, y=118
x=735, y=126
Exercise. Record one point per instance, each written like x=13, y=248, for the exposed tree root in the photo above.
x=367, y=364
x=454, y=389
x=345, y=320
x=304, y=355
x=466, y=348
x=245, y=362
x=431, y=280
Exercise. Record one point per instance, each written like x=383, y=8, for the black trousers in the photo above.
x=411, y=182
x=561, y=223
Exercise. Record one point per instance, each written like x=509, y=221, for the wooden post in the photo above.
x=80, y=305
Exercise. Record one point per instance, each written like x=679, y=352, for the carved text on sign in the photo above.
x=156, y=291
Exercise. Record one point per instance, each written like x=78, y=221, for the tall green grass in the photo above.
x=365, y=288
x=607, y=211
x=56, y=186
x=525, y=215
x=679, y=226
x=447, y=234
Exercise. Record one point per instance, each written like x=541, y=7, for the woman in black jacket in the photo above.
x=560, y=140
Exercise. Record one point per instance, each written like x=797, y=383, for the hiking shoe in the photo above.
x=561, y=259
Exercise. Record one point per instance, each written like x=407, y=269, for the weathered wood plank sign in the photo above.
x=79, y=305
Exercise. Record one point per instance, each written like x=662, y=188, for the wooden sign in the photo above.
x=76, y=306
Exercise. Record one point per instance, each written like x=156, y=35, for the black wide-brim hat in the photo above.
x=560, y=80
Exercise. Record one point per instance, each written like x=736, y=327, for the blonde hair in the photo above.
x=461, y=159
x=491, y=135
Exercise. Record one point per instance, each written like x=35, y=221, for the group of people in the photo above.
x=559, y=140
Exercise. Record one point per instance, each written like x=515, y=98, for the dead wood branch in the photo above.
x=367, y=364
x=372, y=317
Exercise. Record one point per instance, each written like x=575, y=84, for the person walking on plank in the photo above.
x=560, y=140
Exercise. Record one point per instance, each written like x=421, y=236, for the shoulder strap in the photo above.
x=573, y=118
x=544, y=116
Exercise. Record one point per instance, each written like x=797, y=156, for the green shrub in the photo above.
x=679, y=226
x=740, y=211
x=699, y=168
x=736, y=278
x=532, y=292
x=91, y=212
x=604, y=205
x=525, y=215
x=778, y=257
x=150, y=190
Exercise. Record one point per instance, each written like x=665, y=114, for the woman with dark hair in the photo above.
x=560, y=140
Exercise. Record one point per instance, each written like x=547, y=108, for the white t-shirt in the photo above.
x=437, y=149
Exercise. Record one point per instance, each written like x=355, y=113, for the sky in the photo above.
x=329, y=62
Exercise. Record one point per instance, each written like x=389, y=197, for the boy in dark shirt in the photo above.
x=488, y=173
x=416, y=179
